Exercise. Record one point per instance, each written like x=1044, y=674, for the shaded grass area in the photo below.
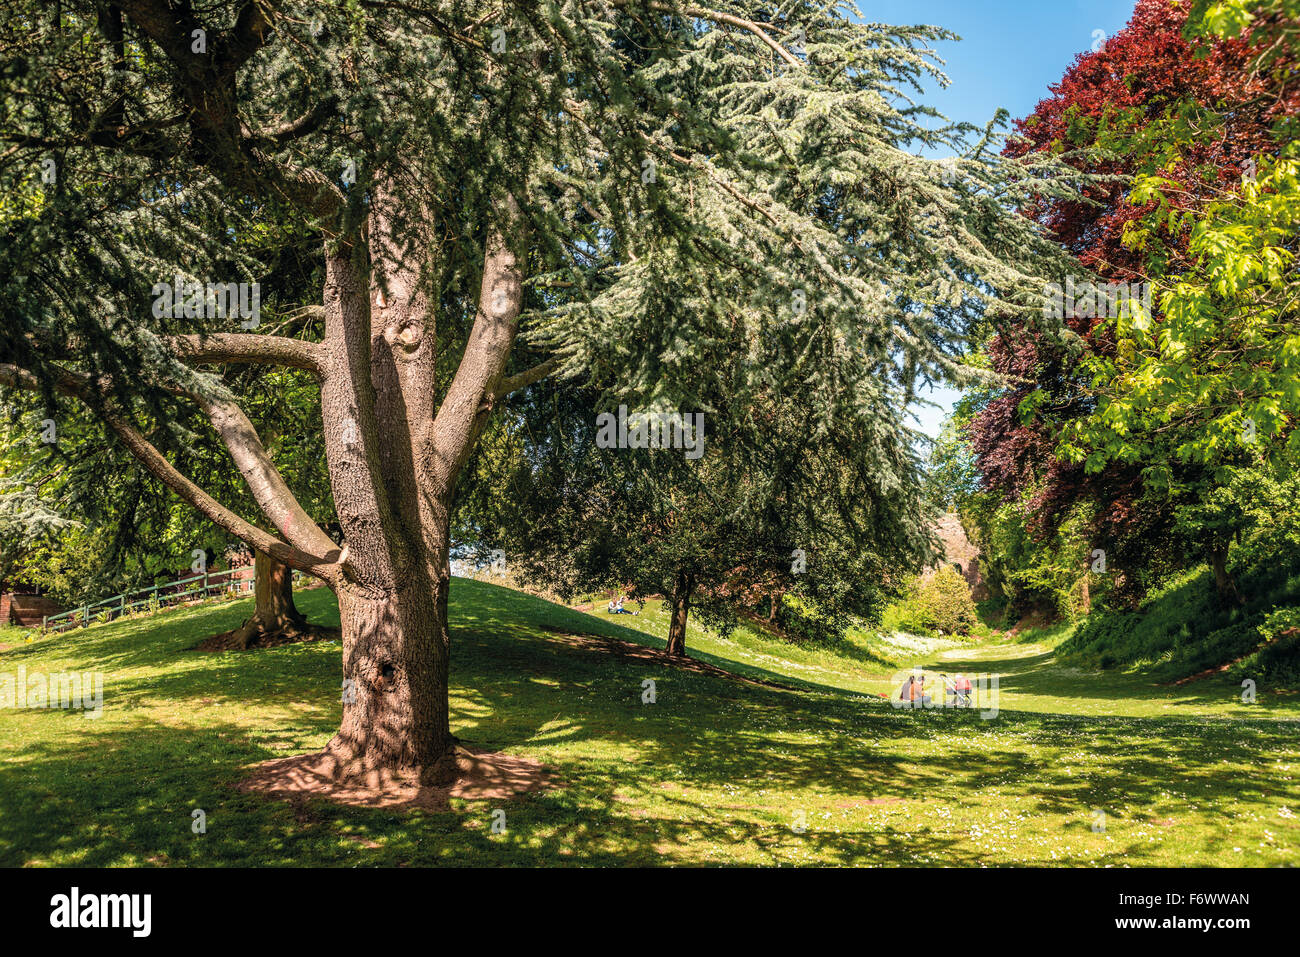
x=751, y=651
x=1030, y=675
x=715, y=771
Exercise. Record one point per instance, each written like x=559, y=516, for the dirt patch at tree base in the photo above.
x=480, y=776
x=234, y=640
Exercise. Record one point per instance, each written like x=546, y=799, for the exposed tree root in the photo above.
x=251, y=634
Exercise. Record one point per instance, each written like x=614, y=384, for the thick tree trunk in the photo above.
x=683, y=585
x=275, y=619
x=1224, y=585
x=395, y=662
x=273, y=585
x=394, y=454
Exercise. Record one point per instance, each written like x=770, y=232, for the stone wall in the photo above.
x=960, y=552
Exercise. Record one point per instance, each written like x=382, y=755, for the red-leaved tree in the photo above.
x=1147, y=78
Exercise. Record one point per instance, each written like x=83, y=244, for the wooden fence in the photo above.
x=156, y=597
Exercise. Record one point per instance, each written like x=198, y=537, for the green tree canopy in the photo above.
x=626, y=194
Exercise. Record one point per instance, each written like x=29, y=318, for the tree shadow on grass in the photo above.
x=711, y=771
x=715, y=735
x=504, y=610
x=151, y=640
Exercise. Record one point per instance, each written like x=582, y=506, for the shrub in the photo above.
x=946, y=604
x=938, y=605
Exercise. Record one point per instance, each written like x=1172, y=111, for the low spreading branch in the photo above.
x=90, y=391
x=526, y=378
x=249, y=348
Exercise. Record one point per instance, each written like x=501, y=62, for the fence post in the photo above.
x=45, y=623
x=85, y=616
x=121, y=605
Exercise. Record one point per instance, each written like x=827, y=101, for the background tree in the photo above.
x=1044, y=573
x=1152, y=99
x=1209, y=393
x=810, y=535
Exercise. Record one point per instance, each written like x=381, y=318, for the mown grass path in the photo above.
x=716, y=771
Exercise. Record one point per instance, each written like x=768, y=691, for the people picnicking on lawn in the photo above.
x=616, y=607
x=957, y=692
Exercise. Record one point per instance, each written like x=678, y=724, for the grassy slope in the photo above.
x=717, y=771
x=1182, y=629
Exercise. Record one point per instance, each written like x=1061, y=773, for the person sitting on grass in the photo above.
x=616, y=608
x=905, y=691
x=913, y=692
x=962, y=689
x=919, y=698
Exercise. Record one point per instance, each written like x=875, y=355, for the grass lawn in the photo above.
x=717, y=771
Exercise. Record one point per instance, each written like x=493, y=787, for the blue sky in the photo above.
x=1010, y=51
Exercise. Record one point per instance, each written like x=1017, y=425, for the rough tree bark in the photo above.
x=680, y=603
x=393, y=485
x=273, y=587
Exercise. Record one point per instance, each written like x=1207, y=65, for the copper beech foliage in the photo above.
x=1147, y=75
